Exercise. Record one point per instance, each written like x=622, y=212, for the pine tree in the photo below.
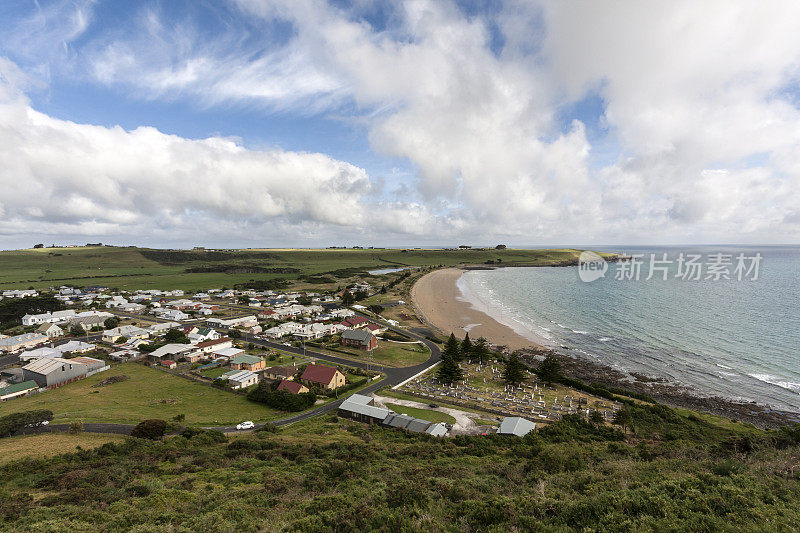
x=466, y=347
x=549, y=370
x=347, y=299
x=449, y=371
x=452, y=348
x=480, y=350
x=514, y=373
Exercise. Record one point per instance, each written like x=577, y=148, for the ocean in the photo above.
x=737, y=338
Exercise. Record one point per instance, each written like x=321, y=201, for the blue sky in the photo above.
x=398, y=122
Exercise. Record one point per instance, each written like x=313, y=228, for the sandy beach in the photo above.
x=438, y=302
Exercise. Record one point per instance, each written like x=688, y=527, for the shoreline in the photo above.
x=439, y=303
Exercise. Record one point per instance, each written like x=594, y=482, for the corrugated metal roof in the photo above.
x=514, y=425
x=17, y=387
x=437, y=430
x=355, y=406
x=46, y=365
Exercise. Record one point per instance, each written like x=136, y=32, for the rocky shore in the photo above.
x=660, y=389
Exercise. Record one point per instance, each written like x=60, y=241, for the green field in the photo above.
x=425, y=414
x=139, y=268
x=387, y=353
x=149, y=393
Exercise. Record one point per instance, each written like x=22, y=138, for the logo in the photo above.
x=591, y=267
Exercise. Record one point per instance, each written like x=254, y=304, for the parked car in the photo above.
x=245, y=425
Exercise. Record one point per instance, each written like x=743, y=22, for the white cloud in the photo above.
x=699, y=100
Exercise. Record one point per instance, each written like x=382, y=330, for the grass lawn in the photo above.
x=149, y=393
x=425, y=414
x=387, y=353
x=50, y=444
x=214, y=373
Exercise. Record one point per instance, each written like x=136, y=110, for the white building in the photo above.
x=50, y=318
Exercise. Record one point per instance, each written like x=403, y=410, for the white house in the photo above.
x=50, y=330
x=48, y=318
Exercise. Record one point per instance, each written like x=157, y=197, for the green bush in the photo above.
x=152, y=429
x=14, y=422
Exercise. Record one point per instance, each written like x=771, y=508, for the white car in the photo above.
x=245, y=425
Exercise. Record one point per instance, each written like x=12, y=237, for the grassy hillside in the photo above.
x=148, y=393
x=334, y=475
x=135, y=268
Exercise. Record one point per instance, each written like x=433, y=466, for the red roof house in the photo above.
x=292, y=386
x=322, y=376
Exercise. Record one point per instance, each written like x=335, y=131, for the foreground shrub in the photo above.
x=15, y=422
x=152, y=429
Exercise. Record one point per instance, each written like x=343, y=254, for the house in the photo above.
x=217, y=344
x=375, y=329
x=200, y=334
x=163, y=327
x=125, y=355
x=325, y=377
x=75, y=347
x=281, y=372
x=20, y=294
x=50, y=318
x=37, y=353
x=49, y=330
x=171, y=314
x=169, y=364
x=53, y=371
x=292, y=386
x=362, y=409
x=244, y=361
x=171, y=351
x=514, y=425
x=240, y=379
x=355, y=322
x=226, y=353
x=359, y=338
x=17, y=389
x=129, y=332
x=87, y=322
x=20, y=342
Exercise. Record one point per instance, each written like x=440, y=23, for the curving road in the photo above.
x=393, y=377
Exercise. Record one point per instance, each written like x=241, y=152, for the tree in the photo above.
x=452, y=348
x=234, y=334
x=624, y=419
x=152, y=429
x=111, y=322
x=549, y=370
x=176, y=336
x=347, y=299
x=466, y=347
x=449, y=371
x=10, y=424
x=595, y=417
x=480, y=350
x=514, y=372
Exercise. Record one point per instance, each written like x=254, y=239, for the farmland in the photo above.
x=141, y=268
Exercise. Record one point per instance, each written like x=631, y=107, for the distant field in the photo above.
x=140, y=268
x=50, y=444
x=149, y=393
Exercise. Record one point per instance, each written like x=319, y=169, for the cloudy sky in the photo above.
x=300, y=122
